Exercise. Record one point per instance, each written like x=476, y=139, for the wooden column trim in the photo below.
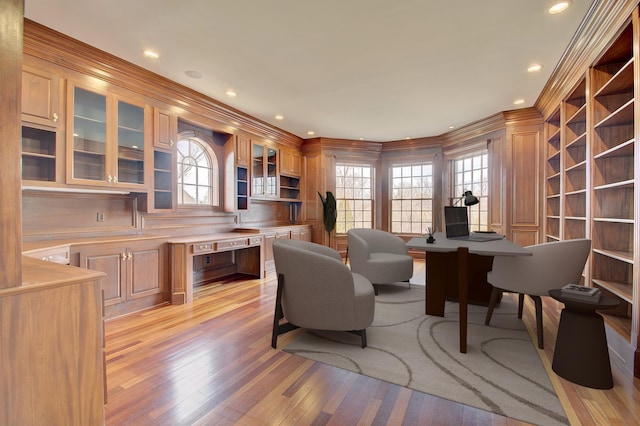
x=10, y=142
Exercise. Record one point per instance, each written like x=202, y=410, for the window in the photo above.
x=412, y=198
x=471, y=173
x=197, y=174
x=354, y=196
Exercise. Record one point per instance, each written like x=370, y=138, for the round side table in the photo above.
x=581, y=354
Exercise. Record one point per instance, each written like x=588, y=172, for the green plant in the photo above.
x=329, y=212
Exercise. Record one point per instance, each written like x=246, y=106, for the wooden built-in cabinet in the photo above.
x=107, y=139
x=41, y=97
x=615, y=222
x=242, y=161
x=553, y=180
x=165, y=131
x=290, y=172
x=264, y=171
x=243, y=151
x=42, y=113
x=52, y=362
x=136, y=275
x=591, y=180
x=290, y=163
x=574, y=167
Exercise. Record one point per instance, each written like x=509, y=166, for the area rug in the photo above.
x=501, y=371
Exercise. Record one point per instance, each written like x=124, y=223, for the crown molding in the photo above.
x=66, y=52
x=602, y=23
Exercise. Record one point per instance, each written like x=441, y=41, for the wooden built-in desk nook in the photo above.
x=230, y=252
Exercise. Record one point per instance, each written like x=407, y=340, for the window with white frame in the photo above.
x=411, y=198
x=471, y=173
x=354, y=196
x=197, y=174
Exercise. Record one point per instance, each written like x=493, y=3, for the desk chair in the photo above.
x=552, y=265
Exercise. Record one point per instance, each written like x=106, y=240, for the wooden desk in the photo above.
x=438, y=273
x=248, y=248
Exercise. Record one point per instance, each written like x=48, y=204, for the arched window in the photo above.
x=198, y=177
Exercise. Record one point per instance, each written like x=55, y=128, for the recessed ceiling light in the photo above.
x=361, y=139
x=518, y=102
x=148, y=53
x=558, y=6
x=407, y=137
x=231, y=93
x=279, y=117
x=534, y=68
x=193, y=74
x=311, y=133
x=452, y=127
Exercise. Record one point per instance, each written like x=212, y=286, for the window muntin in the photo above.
x=197, y=174
x=354, y=196
x=471, y=173
x=411, y=198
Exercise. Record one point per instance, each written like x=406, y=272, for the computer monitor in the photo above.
x=456, y=221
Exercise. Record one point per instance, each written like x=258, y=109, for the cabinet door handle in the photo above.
x=124, y=256
x=129, y=256
x=55, y=117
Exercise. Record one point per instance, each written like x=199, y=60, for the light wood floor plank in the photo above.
x=211, y=363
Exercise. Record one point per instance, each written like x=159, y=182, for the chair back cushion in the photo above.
x=552, y=265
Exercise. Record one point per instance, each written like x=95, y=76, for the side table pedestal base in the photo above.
x=581, y=354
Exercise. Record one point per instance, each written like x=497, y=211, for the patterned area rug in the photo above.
x=501, y=371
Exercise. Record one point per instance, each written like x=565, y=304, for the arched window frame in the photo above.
x=214, y=155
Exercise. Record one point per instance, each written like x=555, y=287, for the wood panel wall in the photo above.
x=11, y=31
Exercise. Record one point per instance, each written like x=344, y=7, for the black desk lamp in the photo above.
x=469, y=199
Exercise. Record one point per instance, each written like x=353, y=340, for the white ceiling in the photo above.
x=374, y=69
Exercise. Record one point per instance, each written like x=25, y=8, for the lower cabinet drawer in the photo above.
x=203, y=248
x=232, y=244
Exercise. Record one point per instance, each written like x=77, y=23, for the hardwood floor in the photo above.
x=211, y=363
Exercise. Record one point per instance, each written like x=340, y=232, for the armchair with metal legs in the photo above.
x=552, y=266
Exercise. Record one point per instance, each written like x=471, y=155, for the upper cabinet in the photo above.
x=242, y=160
x=42, y=144
x=264, y=171
x=243, y=151
x=41, y=97
x=107, y=140
x=165, y=135
x=290, y=163
x=165, y=129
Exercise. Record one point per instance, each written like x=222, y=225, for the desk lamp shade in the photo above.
x=469, y=199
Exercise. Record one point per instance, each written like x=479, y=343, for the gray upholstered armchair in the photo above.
x=317, y=291
x=380, y=256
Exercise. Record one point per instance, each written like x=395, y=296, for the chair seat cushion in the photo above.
x=387, y=268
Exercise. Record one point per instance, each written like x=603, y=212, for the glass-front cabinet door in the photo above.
x=264, y=177
x=130, y=143
x=89, y=156
x=257, y=175
x=108, y=140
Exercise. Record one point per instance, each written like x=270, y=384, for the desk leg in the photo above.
x=463, y=293
x=436, y=286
